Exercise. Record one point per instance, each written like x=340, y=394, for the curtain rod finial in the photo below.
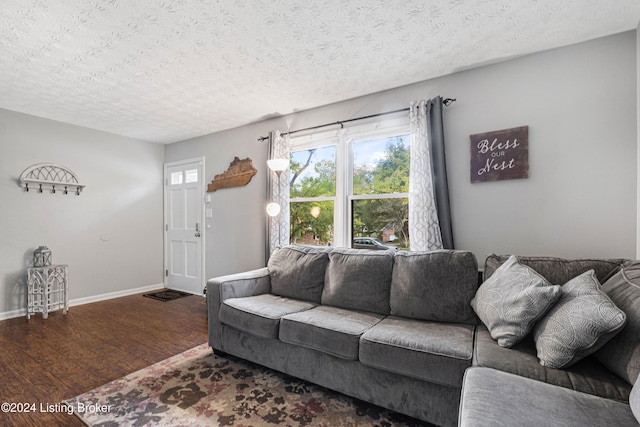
x=448, y=101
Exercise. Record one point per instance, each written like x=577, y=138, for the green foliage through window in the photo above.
x=312, y=223
x=389, y=170
x=380, y=167
x=383, y=218
x=313, y=172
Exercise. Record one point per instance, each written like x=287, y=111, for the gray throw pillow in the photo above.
x=298, y=272
x=582, y=321
x=511, y=301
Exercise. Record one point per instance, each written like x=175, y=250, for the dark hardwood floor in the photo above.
x=43, y=362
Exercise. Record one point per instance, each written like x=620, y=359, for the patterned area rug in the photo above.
x=198, y=388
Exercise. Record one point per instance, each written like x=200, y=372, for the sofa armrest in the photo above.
x=249, y=283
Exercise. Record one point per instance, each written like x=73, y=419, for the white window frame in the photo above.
x=343, y=139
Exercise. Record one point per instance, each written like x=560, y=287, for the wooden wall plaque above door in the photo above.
x=498, y=155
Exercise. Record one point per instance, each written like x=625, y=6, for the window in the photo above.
x=186, y=177
x=191, y=176
x=176, y=178
x=379, y=200
x=350, y=187
x=313, y=195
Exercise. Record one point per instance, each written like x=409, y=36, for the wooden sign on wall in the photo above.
x=498, y=155
x=238, y=174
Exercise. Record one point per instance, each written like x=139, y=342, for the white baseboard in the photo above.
x=14, y=313
x=112, y=295
x=87, y=300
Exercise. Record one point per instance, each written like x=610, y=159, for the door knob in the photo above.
x=198, y=234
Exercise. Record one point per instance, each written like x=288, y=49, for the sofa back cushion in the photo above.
x=358, y=279
x=298, y=272
x=622, y=354
x=436, y=286
x=558, y=271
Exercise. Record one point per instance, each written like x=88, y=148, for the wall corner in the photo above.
x=638, y=141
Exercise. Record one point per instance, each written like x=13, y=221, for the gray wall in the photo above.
x=110, y=235
x=580, y=103
x=235, y=236
x=579, y=201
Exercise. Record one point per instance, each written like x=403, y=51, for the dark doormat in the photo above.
x=167, y=295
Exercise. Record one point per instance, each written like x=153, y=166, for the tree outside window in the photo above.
x=380, y=205
x=313, y=191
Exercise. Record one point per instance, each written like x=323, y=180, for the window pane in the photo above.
x=381, y=166
x=191, y=175
x=313, y=172
x=312, y=223
x=176, y=178
x=377, y=223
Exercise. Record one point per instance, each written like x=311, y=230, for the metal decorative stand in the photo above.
x=48, y=290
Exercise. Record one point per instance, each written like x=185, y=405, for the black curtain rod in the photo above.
x=446, y=102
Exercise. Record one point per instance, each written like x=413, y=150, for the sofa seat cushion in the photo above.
x=260, y=314
x=494, y=398
x=431, y=351
x=332, y=330
x=587, y=376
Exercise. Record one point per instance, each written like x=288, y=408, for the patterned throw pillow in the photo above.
x=582, y=321
x=512, y=300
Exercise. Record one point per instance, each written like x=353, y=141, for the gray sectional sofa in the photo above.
x=392, y=328
x=397, y=329
x=508, y=386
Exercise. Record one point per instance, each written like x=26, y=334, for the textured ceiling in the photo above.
x=164, y=71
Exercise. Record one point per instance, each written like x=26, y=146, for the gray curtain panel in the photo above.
x=429, y=208
x=435, y=125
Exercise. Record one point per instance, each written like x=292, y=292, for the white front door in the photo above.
x=184, y=234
